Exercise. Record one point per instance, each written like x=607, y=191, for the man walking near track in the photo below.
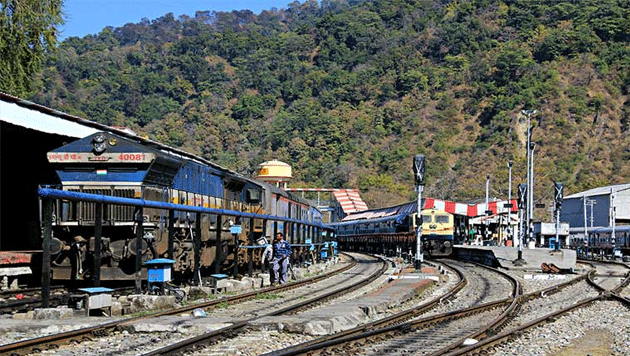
x=281, y=254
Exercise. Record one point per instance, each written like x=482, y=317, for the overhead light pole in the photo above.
x=558, y=196
x=530, y=171
x=530, y=191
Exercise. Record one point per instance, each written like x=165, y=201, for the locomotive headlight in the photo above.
x=99, y=143
x=99, y=147
x=113, y=141
x=99, y=138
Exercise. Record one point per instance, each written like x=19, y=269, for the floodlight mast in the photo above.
x=530, y=172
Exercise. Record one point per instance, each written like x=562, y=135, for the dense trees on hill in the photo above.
x=348, y=91
x=28, y=30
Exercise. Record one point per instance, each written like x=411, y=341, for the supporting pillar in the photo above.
x=47, y=210
x=98, y=231
x=217, y=245
x=139, y=234
x=197, y=247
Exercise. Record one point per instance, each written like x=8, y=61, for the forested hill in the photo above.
x=348, y=92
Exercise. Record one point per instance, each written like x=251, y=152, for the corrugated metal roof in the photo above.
x=350, y=200
x=31, y=118
x=496, y=207
x=384, y=212
x=599, y=191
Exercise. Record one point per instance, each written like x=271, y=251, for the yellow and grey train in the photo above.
x=394, y=229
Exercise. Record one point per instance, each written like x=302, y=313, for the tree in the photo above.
x=28, y=30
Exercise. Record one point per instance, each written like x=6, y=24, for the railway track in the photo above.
x=397, y=335
x=243, y=303
x=472, y=306
x=456, y=328
x=600, y=307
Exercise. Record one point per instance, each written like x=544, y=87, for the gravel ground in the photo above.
x=600, y=329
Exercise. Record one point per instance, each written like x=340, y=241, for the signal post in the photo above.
x=419, y=169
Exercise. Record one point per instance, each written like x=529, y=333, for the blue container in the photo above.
x=324, y=251
x=159, y=270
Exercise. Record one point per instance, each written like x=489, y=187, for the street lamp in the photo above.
x=530, y=171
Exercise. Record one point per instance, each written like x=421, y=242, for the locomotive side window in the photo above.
x=253, y=195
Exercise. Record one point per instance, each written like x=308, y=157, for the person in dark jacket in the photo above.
x=281, y=253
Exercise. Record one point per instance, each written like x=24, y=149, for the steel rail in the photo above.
x=375, y=325
x=49, y=341
x=234, y=329
x=383, y=327
x=483, y=345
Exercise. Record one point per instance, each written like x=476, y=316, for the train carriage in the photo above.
x=598, y=241
x=394, y=229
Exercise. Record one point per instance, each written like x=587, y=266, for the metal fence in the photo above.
x=48, y=197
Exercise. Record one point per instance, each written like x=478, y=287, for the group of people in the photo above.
x=276, y=258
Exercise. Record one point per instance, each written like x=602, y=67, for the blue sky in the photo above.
x=85, y=17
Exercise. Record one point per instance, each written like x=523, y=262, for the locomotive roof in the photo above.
x=153, y=146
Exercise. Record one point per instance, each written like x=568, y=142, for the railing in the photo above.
x=49, y=195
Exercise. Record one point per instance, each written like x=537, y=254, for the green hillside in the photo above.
x=348, y=92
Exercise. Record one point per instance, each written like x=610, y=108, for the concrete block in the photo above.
x=153, y=327
x=140, y=302
x=198, y=291
x=318, y=327
x=53, y=313
x=23, y=316
x=265, y=279
x=232, y=285
x=117, y=308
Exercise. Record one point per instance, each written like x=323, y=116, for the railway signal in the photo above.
x=522, y=203
x=558, y=188
x=419, y=169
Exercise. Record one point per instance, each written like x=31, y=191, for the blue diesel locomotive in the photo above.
x=125, y=165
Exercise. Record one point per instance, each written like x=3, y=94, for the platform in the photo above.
x=504, y=257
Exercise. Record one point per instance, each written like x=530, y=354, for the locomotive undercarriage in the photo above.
x=73, y=251
x=438, y=248
x=73, y=243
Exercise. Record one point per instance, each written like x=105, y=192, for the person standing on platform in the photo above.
x=267, y=257
x=281, y=254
